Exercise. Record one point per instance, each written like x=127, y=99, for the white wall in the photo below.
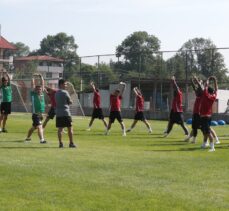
x=222, y=96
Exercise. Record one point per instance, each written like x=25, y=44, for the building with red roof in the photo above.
x=50, y=67
x=5, y=47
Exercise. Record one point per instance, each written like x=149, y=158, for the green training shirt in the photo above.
x=38, y=102
x=6, y=93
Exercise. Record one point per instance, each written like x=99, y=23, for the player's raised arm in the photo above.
x=93, y=86
x=122, y=87
x=213, y=78
x=42, y=82
x=33, y=85
x=176, y=87
x=136, y=91
x=193, y=84
x=198, y=82
x=7, y=75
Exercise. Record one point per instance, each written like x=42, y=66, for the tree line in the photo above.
x=138, y=55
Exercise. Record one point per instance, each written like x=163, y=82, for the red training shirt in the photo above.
x=96, y=99
x=196, y=107
x=139, y=103
x=177, y=102
x=207, y=101
x=115, y=102
x=52, y=98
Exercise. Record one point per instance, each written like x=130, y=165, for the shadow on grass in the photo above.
x=15, y=141
x=168, y=144
x=187, y=149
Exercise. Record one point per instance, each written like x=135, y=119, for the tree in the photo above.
x=203, y=58
x=22, y=49
x=26, y=71
x=139, y=49
x=63, y=46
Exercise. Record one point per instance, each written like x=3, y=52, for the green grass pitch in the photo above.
x=138, y=172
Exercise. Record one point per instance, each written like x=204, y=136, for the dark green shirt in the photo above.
x=6, y=93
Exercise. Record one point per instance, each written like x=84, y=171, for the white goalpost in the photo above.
x=76, y=108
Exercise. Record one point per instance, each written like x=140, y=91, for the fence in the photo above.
x=155, y=84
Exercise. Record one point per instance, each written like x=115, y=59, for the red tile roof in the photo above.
x=38, y=58
x=4, y=44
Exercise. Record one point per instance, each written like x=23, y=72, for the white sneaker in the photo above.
x=205, y=145
x=88, y=129
x=124, y=134
x=211, y=150
x=217, y=142
x=193, y=140
x=150, y=131
x=187, y=137
x=106, y=133
x=28, y=140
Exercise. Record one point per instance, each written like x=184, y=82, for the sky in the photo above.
x=99, y=26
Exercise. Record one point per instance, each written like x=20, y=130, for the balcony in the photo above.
x=51, y=69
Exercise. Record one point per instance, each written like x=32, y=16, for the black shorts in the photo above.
x=176, y=117
x=63, y=121
x=51, y=113
x=205, y=125
x=139, y=116
x=196, y=122
x=97, y=113
x=37, y=119
x=6, y=108
x=115, y=115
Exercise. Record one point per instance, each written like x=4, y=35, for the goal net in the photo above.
x=22, y=101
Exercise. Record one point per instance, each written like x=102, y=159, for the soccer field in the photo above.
x=138, y=172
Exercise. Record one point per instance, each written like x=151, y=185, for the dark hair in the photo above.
x=4, y=79
x=61, y=81
x=117, y=90
x=210, y=90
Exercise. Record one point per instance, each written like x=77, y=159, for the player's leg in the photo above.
x=46, y=121
x=132, y=125
x=147, y=125
x=170, y=124
x=35, y=124
x=5, y=116
x=51, y=114
x=105, y=123
x=70, y=136
x=184, y=128
x=119, y=118
x=59, y=134
x=111, y=121
x=29, y=134
x=90, y=123
x=100, y=116
x=214, y=135
x=40, y=132
x=169, y=128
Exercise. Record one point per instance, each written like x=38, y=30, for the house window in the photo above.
x=48, y=75
x=60, y=75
